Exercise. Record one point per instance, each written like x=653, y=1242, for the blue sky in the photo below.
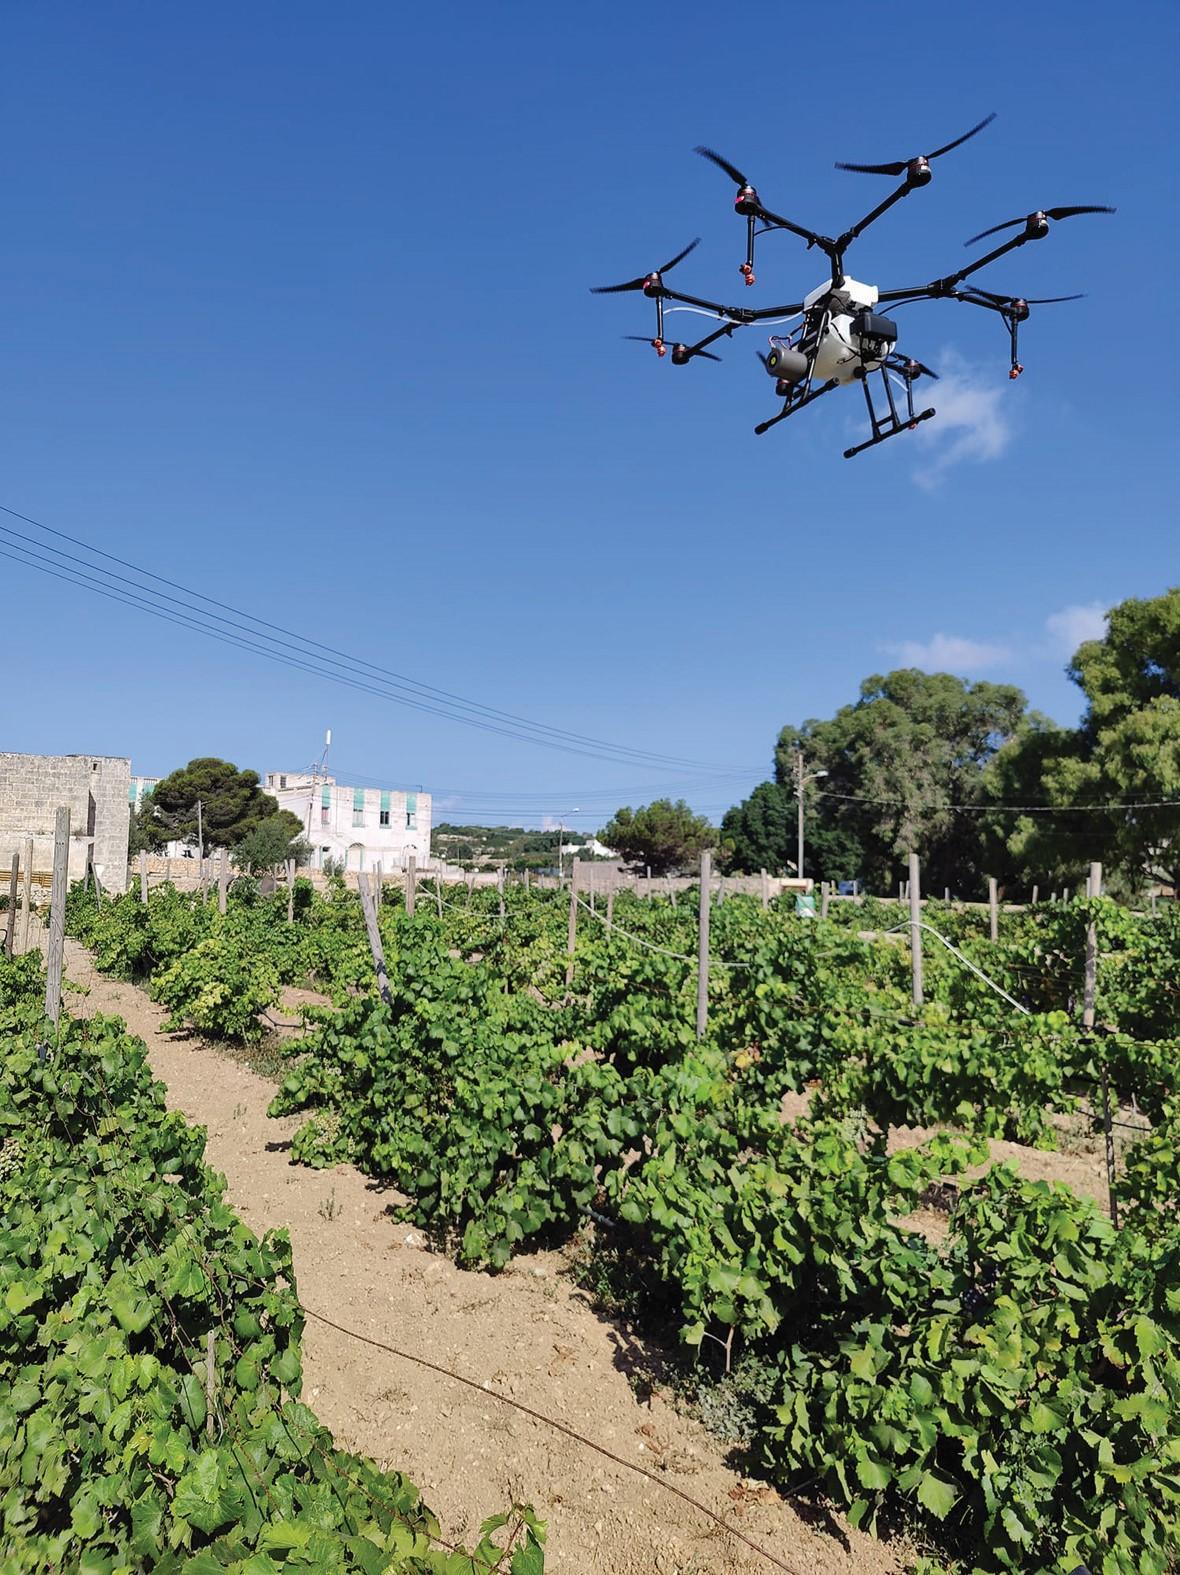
x=297, y=313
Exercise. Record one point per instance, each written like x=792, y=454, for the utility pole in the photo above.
x=801, y=782
x=799, y=806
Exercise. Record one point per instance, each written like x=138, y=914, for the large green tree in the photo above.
x=232, y=804
x=270, y=843
x=904, y=767
x=663, y=835
x=1125, y=753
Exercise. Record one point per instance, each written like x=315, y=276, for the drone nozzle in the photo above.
x=747, y=272
x=1015, y=371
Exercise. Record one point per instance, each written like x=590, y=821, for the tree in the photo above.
x=144, y=832
x=663, y=835
x=901, y=762
x=270, y=843
x=761, y=833
x=1127, y=750
x=232, y=804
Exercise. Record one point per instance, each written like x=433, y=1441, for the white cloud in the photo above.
x=950, y=653
x=970, y=424
x=1068, y=628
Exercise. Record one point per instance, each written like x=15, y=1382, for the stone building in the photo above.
x=95, y=789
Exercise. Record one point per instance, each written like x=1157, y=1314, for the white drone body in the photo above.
x=841, y=337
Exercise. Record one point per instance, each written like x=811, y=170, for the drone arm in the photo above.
x=862, y=225
x=775, y=221
x=735, y=314
x=942, y=288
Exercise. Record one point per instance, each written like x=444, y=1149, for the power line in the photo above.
x=442, y=702
x=1016, y=809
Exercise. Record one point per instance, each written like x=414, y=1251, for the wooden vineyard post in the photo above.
x=916, y=928
x=210, y=1384
x=411, y=884
x=438, y=897
x=590, y=886
x=572, y=934
x=290, y=891
x=946, y=895
x=13, y=885
x=374, y=934
x=222, y=880
x=703, y=947
x=57, y=914
x=167, y=870
x=825, y=892
x=647, y=884
x=1035, y=895
x=143, y=880
x=500, y=890
x=27, y=908
x=380, y=876
x=765, y=883
x=993, y=908
x=610, y=907
x=1090, y=988
x=526, y=883
x=470, y=885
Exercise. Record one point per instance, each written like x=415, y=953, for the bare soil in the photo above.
x=528, y=1333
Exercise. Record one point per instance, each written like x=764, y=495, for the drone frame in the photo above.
x=1013, y=310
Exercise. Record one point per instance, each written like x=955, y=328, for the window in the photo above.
x=324, y=814
x=385, y=809
x=385, y=817
x=358, y=817
x=411, y=811
x=282, y=782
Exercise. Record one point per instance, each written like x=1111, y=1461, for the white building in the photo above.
x=356, y=826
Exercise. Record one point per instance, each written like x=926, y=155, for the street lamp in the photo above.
x=801, y=782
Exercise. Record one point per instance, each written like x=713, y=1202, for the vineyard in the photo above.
x=1007, y=1391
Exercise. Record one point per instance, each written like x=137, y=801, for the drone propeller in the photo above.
x=648, y=278
x=1037, y=224
x=680, y=353
x=1025, y=300
x=918, y=168
x=912, y=369
x=729, y=169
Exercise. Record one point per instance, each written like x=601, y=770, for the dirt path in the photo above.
x=527, y=1333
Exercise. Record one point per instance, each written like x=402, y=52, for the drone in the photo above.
x=836, y=336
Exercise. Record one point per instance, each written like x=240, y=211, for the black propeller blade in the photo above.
x=1035, y=222
x=680, y=353
x=913, y=369
x=731, y=170
x=1007, y=300
x=648, y=278
x=900, y=166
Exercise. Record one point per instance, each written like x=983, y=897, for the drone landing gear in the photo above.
x=795, y=403
x=890, y=424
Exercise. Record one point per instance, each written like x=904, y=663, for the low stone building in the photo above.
x=96, y=790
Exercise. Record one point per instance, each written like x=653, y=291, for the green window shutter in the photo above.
x=131, y=794
x=411, y=803
x=385, y=802
x=358, y=798
x=326, y=797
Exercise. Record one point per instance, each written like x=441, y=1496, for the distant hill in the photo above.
x=487, y=847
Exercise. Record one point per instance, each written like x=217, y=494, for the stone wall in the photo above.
x=95, y=789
